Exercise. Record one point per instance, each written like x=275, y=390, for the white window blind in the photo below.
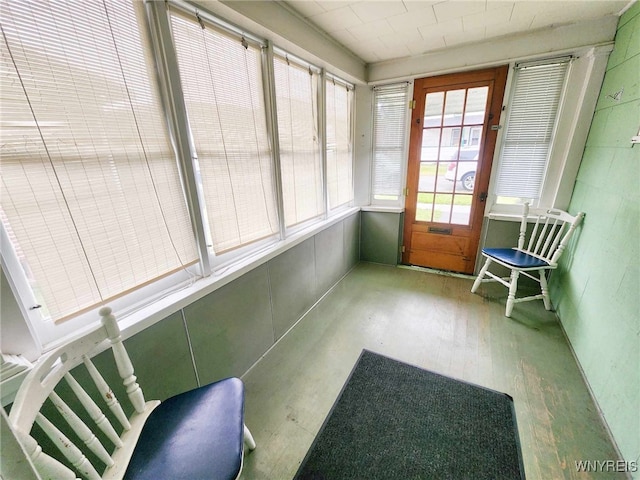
x=221, y=79
x=537, y=93
x=339, y=104
x=300, y=159
x=390, y=104
x=90, y=186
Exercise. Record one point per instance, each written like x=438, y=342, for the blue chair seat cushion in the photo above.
x=514, y=258
x=195, y=435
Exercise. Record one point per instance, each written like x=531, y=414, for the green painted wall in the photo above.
x=232, y=327
x=596, y=291
x=380, y=237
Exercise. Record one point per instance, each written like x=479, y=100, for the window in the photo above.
x=91, y=195
x=221, y=77
x=105, y=189
x=390, y=117
x=531, y=121
x=339, y=104
x=300, y=157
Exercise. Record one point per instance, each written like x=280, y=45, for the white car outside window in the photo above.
x=464, y=170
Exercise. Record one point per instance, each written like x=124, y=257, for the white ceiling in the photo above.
x=381, y=30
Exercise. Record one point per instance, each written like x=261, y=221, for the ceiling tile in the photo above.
x=442, y=29
x=337, y=19
x=370, y=11
x=413, y=19
x=376, y=30
x=522, y=14
x=407, y=37
x=307, y=8
x=573, y=12
x=468, y=36
x=370, y=51
x=496, y=16
x=397, y=52
x=336, y=4
x=509, y=28
x=527, y=9
x=345, y=37
x=412, y=5
x=498, y=4
x=371, y=29
x=419, y=48
x=455, y=9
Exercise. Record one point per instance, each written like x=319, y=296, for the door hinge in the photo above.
x=406, y=192
x=402, y=249
x=412, y=104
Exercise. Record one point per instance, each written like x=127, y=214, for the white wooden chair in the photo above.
x=196, y=435
x=551, y=232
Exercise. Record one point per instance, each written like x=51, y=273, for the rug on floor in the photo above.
x=397, y=421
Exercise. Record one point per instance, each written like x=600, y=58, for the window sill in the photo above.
x=151, y=314
x=506, y=217
x=135, y=322
x=382, y=209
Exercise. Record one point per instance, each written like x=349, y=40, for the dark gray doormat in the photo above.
x=396, y=421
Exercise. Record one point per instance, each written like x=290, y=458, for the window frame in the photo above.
x=222, y=30
x=318, y=72
x=338, y=81
x=575, y=113
x=517, y=68
x=44, y=328
x=403, y=160
x=213, y=271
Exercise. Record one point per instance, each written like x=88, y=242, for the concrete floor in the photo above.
x=432, y=321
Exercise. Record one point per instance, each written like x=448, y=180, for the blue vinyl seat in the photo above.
x=546, y=242
x=195, y=435
x=515, y=258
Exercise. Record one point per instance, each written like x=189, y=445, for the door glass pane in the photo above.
x=442, y=208
x=424, y=207
x=444, y=185
x=427, y=181
x=465, y=138
x=475, y=135
x=450, y=149
x=433, y=109
x=453, y=107
x=476, y=105
x=461, y=209
x=450, y=143
x=466, y=176
x=430, y=144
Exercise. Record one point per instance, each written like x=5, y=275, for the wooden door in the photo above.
x=454, y=126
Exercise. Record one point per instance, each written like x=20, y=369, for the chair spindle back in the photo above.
x=39, y=386
x=550, y=235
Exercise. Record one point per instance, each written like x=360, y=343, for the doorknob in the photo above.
x=483, y=196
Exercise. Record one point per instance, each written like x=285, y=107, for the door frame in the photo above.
x=448, y=81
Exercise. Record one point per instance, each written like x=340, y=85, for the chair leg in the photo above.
x=248, y=439
x=513, y=288
x=480, y=276
x=545, y=290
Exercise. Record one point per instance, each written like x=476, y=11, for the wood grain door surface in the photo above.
x=450, y=153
